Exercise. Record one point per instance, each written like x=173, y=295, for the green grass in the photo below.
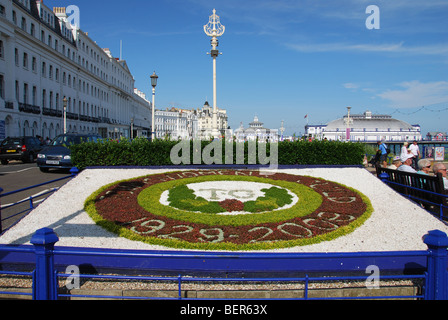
x=309, y=201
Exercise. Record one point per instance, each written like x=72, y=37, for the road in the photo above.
x=17, y=175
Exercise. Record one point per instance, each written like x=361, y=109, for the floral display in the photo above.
x=229, y=218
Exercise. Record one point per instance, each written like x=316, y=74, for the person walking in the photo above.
x=404, y=149
x=383, y=149
x=415, y=151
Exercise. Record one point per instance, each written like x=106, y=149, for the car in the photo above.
x=57, y=154
x=20, y=148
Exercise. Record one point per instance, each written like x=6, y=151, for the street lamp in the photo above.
x=132, y=128
x=154, y=79
x=348, y=122
x=65, y=114
x=214, y=29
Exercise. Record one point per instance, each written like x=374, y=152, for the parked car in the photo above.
x=57, y=154
x=20, y=148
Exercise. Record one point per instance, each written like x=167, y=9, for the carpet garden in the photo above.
x=395, y=223
x=228, y=209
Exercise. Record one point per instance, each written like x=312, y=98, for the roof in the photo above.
x=369, y=121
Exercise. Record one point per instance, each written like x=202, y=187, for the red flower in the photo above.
x=232, y=205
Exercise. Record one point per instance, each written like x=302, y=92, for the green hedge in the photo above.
x=141, y=152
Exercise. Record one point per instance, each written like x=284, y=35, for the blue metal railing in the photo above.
x=50, y=265
x=385, y=178
x=30, y=200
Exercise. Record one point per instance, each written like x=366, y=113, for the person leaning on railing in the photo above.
x=441, y=168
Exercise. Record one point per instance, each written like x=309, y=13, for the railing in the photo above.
x=28, y=108
x=50, y=263
x=442, y=207
x=9, y=105
x=30, y=200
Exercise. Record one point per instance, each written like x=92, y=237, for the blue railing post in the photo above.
x=437, y=242
x=31, y=203
x=384, y=177
x=1, y=224
x=74, y=171
x=45, y=283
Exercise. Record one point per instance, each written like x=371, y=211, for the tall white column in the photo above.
x=215, y=131
x=214, y=29
x=153, y=124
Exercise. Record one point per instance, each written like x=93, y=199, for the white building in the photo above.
x=44, y=60
x=205, y=121
x=365, y=127
x=176, y=124
x=256, y=132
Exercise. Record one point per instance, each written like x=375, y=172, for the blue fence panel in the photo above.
x=235, y=264
x=50, y=262
x=385, y=178
x=73, y=171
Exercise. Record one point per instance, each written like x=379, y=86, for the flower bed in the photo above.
x=323, y=210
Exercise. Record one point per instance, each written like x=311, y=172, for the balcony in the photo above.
x=104, y=120
x=72, y=116
x=52, y=112
x=28, y=108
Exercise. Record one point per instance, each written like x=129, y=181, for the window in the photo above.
x=44, y=69
x=51, y=99
x=25, y=60
x=25, y=93
x=16, y=56
x=34, y=64
x=17, y=91
x=2, y=50
x=2, y=87
x=34, y=97
x=44, y=98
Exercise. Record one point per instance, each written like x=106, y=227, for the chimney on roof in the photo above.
x=59, y=10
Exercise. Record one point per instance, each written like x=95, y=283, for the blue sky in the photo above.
x=284, y=59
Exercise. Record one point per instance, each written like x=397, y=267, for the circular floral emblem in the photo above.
x=224, y=197
x=228, y=209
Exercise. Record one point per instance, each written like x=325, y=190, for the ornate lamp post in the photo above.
x=348, y=122
x=214, y=29
x=154, y=79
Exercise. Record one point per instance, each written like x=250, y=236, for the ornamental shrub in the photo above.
x=142, y=152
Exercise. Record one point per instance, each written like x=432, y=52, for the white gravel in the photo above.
x=396, y=223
